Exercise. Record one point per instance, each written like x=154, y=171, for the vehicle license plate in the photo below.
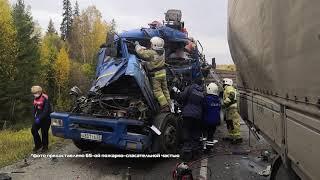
x=95, y=137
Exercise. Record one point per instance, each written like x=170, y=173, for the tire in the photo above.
x=279, y=172
x=85, y=145
x=169, y=139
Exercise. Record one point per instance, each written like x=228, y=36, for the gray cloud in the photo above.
x=206, y=20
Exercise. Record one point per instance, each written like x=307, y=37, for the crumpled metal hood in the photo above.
x=108, y=72
x=111, y=71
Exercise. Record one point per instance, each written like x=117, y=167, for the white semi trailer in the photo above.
x=275, y=45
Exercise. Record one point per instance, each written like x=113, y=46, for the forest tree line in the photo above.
x=54, y=60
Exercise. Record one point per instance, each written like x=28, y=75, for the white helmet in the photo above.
x=157, y=43
x=213, y=89
x=227, y=81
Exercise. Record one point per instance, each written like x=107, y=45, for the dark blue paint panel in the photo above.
x=118, y=137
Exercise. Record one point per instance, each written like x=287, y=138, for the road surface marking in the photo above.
x=203, y=169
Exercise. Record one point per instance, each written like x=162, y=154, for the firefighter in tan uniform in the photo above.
x=155, y=63
x=232, y=115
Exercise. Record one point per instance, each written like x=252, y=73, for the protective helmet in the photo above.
x=36, y=89
x=213, y=89
x=227, y=81
x=157, y=43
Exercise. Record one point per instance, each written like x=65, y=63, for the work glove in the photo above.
x=138, y=46
x=176, y=90
x=37, y=120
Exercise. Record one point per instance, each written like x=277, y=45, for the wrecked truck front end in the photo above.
x=122, y=133
x=117, y=109
x=120, y=109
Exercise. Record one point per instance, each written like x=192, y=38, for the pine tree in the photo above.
x=76, y=12
x=8, y=53
x=74, y=39
x=7, y=41
x=51, y=29
x=27, y=56
x=113, y=25
x=66, y=23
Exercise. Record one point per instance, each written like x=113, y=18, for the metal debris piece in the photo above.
x=227, y=165
x=265, y=172
x=265, y=155
x=244, y=152
x=251, y=165
x=54, y=159
x=25, y=164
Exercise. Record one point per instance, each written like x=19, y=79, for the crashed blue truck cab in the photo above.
x=120, y=109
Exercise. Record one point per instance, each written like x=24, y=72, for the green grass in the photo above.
x=16, y=145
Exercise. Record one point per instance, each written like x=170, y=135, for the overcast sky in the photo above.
x=206, y=20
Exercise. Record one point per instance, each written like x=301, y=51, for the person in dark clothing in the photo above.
x=193, y=100
x=212, y=110
x=42, y=120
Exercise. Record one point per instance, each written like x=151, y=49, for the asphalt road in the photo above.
x=244, y=164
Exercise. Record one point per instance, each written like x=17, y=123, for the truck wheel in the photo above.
x=85, y=145
x=279, y=172
x=168, y=141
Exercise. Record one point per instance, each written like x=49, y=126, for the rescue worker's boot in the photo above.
x=44, y=149
x=36, y=149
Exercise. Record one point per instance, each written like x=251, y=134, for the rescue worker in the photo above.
x=192, y=112
x=212, y=110
x=232, y=115
x=155, y=63
x=42, y=120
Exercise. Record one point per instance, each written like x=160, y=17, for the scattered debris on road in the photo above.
x=265, y=172
x=251, y=165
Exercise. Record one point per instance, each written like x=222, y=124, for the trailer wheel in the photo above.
x=168, y=141
x=279, y=172
x=85, y=145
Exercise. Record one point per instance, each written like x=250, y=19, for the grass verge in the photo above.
x=16, y=145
